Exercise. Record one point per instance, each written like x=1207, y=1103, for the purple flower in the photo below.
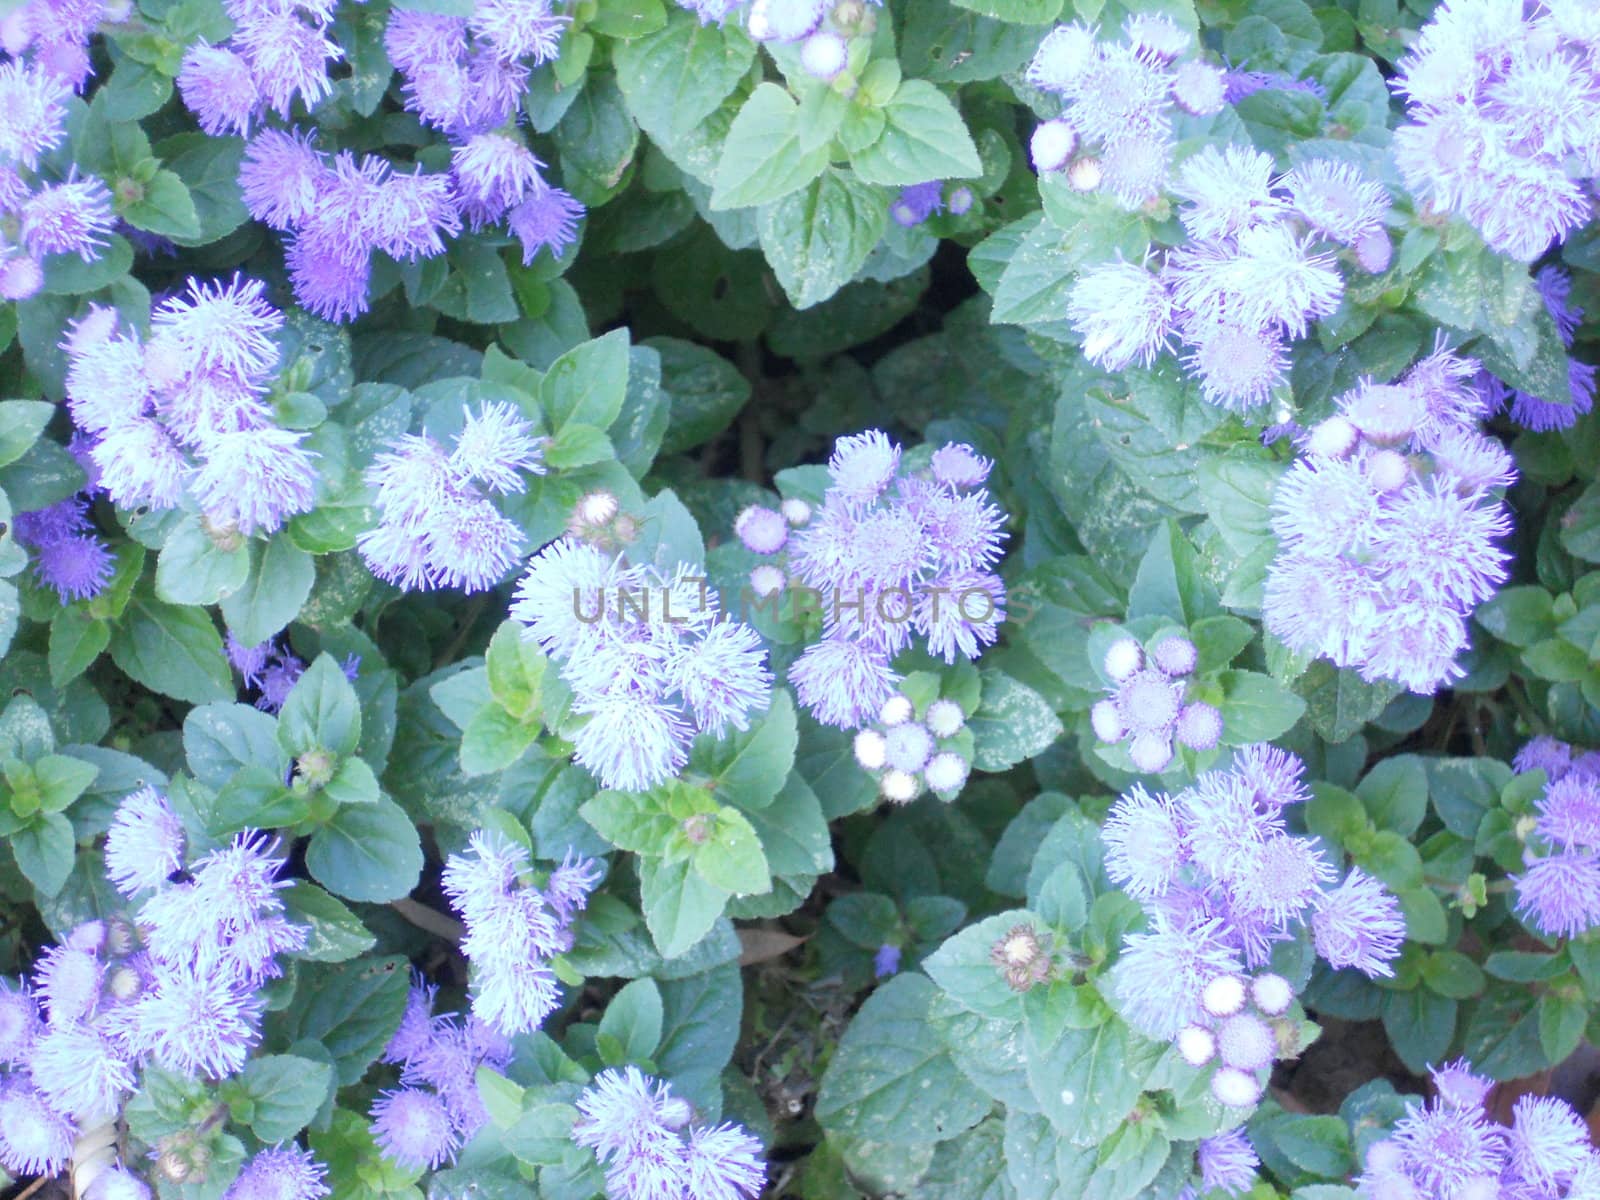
x=917, y=203
x=1064, y=59
x=1144, y=843
x=1457, y=1085
x=1445, y=1147
x=410, y=212
x=633, y=1125
x=68, y=218
x=1123, y=312
x=519, y=28
x=1228, y=191
x=221, y=327
x=249, y=661
x=78, y=1070
x=194, y=1023
x=885, y=960
x=1199, y=88
x=1239, y=365
x=34, y=1140
x=256, y=479
x=106, y=385
x=1135, y=169
x=1359, y=924
x=282, y=1173
x=493, y=172
x=77, y=567
x=19, y=1023
x=1337, y=200
x=1160, y=974
x=495, y=446
x=413, y=1128
x=1227, y=1162
x=1548, y=1141
x=33, y=112
x=140, y=465
x=416, y=1023
x=69, y=982
x=723, y=679
x=415, y=38
x=842, y=682
x=547, y=219
x=217, y=86
x=144, y=845
x=1569, y=813
x=512, y=932
x=1559, y=895
x=327, y=280
x=1267, y=277
x=288, y=57
x=117, y=1183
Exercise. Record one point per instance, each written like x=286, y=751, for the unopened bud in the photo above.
x=1023, y=959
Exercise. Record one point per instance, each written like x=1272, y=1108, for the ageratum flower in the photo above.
x=280, y=1173
x=144, y=846
x=513, y=930
x=643, y=1136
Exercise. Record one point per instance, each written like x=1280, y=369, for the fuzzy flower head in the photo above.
x=145, y=843
x=644, y=1136
x=278, y=1174
x=1123, y=312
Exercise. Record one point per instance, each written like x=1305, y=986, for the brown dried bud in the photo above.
x=1022, y=957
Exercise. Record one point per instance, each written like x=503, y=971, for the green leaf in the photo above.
x=731, y=858
x=633, y=1017
x=588, y=383
x=322, y=711
x=578, y=445
x=924, y=139
x=1022, y=12
x=285, y=1092
x=44, y=850
x=889, y=1081
x=279, y=584
x=749, y=768
x=677, y=77
x=1256, y=708
x=1013, y=723
x=680, y=906
x=494, y=739
x=706, y=392
x=1421, y=1024
x=1561, y=1023
x=62, y=780
x=172, y=650
x=1087, y=1080
x=352, y=1008
x=367, y=852
x=641, y=821
x=1339, y=702
x=21, y=423
x=76, y=640
x=816, y=239
x=209, y=168
x=1395, y=793
x=336, y=933
x=762, y=159
x=166, y=209
x=193, y=569
x=221, y=739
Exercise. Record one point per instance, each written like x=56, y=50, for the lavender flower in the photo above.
x=34, y=1139
x=34, y=118
x=280, y=1173
x=917, y=203
x=71, y=217
x=547, y=219
x=217, y=86
x=144, y=845
x=519, y=28
x=288, y=57
x=512, y=930
x=636, y=1127
x=1359, y=925
x=1227, y=1162
x=413, y=1128
x=19, y=1023
x=1124, y=314
x=79, y=1070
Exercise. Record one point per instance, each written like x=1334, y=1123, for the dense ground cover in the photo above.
x=970, y=599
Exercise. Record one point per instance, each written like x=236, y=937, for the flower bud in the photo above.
x=1084, y=175
x=1023, y=959
x=871, y=750
x=1052, y=145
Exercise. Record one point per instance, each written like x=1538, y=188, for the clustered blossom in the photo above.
x=53, y=36
x=1260, y=265
x=279, y=1173
x=891, y=554
x=907, y=750
x=1558, y=893
x=43, y=217
x=647, y=1140
x=1504, y=100
x=186, y=413
x=1450, y=1149
x=513, y=928
x=1389, y=527
x=277, y=53
x=1115, y=131
x=68, y=555
x=1544, y=413
x=915, y=204
x=1150, y=705
x=1227, y=1165
x=437, y=525
x=175, y=986
x=650, y=660
x=437, y=1108
x=1222, y=881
